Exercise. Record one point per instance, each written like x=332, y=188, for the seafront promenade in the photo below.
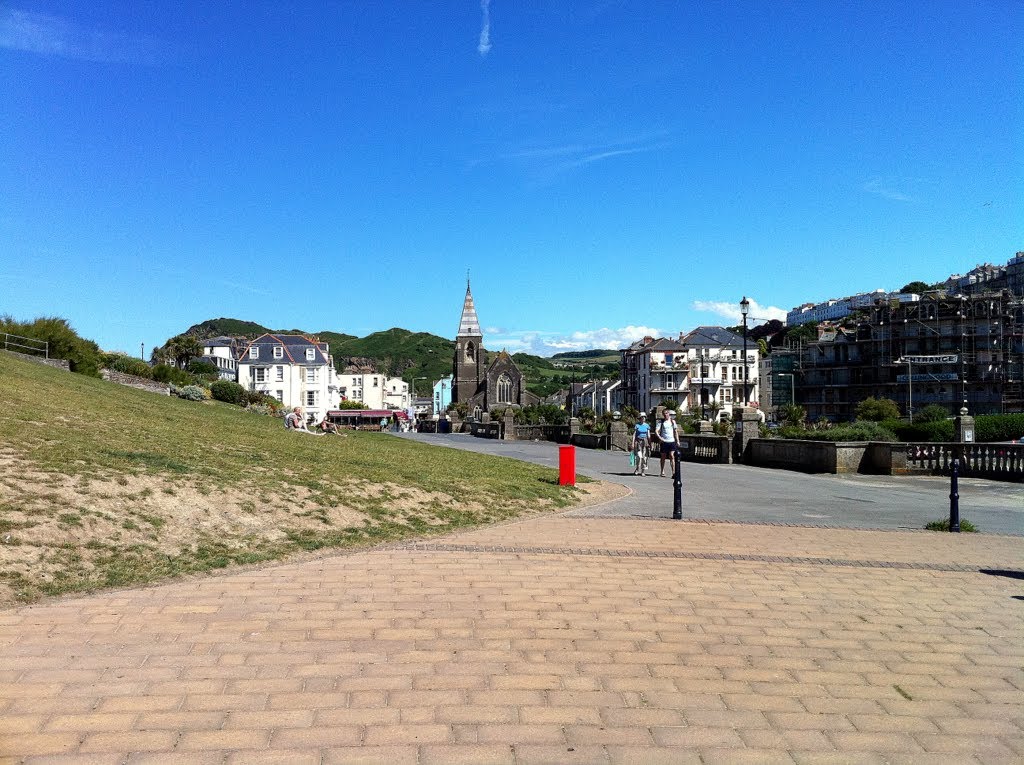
x=594, y=636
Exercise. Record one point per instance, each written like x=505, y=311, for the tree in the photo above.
x=915, y=288
x=183, y=348
x=877, y=410
x=351, y=405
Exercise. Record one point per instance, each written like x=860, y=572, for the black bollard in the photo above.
x=954, y=497
x=677, y=491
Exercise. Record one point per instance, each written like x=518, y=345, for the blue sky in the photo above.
x=604, y=169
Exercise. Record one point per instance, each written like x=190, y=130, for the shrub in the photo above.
x=168, y=374
x=999, y=427
x=352, y=405
x=932, y=413
x=227, y=391
x=943, y=525
x=203, y=369
x=877, y=409
x=938, y=430
x=853, y=431
x=130, y=365
x=189, y=392
x=260, y=409
x=83, y=356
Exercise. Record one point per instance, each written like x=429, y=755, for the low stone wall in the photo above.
x=807, y=456
x=589, y=440
x=558, y=434
x=142, y=383
x=485, y=429
x=56, y=363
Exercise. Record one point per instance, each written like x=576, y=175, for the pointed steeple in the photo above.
x=469, y=324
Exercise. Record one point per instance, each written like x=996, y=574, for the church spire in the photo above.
x=469, y=324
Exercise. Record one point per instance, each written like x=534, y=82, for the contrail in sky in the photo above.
x=485, y=33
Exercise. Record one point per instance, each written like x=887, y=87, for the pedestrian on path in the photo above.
x=641, y=446
x=668, y=435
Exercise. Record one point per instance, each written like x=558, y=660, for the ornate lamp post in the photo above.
x=744, y=309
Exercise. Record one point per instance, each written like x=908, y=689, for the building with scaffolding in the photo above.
x=949, y=349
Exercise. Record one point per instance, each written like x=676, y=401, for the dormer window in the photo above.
x=278, y=352
x=254, y=352
x=311, y=354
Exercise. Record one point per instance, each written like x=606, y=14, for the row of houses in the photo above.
x=299, y=371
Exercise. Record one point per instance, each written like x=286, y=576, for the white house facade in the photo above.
x=714, y=356
x=222, y=352
x=294, y=369
x=375, y=390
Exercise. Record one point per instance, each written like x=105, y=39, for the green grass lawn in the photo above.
x=102, y=485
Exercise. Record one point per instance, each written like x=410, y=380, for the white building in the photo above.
x=296, y=370
x=600, y=395
x=714, y=356
x=837, y=308
x=661, y=374
x=222, y=352
x=375, y=390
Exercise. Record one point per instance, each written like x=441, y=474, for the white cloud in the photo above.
x=549, y=343
x=49, y=35
x=485, y=32
x=885, y=190
x=731, y=311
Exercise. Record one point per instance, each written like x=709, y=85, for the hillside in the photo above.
x=107, y=486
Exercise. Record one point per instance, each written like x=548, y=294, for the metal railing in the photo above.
x=20, y=344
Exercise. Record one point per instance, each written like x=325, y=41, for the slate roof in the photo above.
x=294, y=350
x=715, y=337
x=665, y=344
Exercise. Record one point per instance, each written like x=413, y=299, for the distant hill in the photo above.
x=591, y=354
x=226, y=328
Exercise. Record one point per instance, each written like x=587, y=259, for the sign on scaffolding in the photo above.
x=949, y=358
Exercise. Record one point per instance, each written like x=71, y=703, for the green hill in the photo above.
x=106, y=486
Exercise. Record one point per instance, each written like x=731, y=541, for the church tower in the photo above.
x=468, y=366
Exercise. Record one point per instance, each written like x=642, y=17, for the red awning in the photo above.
x=378, y=413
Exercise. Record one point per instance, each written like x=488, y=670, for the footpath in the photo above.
x=577, y=638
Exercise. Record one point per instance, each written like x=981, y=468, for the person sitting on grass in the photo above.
x=295, y=421
x=328, y=427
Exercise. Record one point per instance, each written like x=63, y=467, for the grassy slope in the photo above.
x=97, y=455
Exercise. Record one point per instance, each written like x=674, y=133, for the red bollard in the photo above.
x=566, y=465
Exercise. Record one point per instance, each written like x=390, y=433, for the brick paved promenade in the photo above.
x=560, y=639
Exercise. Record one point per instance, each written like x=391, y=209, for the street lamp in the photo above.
x=744, y=309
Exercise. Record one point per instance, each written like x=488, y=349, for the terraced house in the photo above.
x=294, y=369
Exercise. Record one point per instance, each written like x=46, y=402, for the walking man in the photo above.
x=668, y=435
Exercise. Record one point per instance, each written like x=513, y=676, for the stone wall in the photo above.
x=142, y=383
x=56, y=363
x=807, y=456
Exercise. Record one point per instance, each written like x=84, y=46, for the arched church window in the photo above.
x=470, y=352
x=504, y=389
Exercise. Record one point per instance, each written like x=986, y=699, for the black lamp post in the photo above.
x=744, y=309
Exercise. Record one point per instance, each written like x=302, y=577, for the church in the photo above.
x=484, y=386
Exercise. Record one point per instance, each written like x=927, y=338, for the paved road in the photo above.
x=759, y=495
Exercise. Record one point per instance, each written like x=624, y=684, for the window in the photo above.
x=259, y=374
x=279, y=377
x=375, y=385
x=726, y=395
x=254, y=352
x=311, y=354
x=311, y=374
x=725, y=373
x=504, y=389
x=280, y=396
x=704, y=373
x=311, y=397
x=668, y=359
x=278, y=352
x=470, y=351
